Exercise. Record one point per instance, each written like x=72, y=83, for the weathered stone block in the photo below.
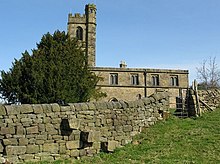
x=12, y=159
x=15, y=150
x=37, y=108
x=62, y=148
x=112, y=145
x=57, y=137
x=94, y=136
x=72, y=144
x=10, y=141
x=2, y=160
x=55, y=107
x=26, y=108
x=74, y=123
x=77, y=107
x=2, y=110
x=19, y=130
x=11, y=109
x=82, y=152
x=91, y=106
x=32, y=149
x=72, y=107
x=46, y=108
x=26, y=120
x=41, y=128
x=41, y=137
x=27, y=157
x=47, y=158
x=84, y=106
x=7, y=130
x=51, y=148
x=23, y=141
x=50, y=129
x=32, y=130
x=87, y=112
x=65, y=108
x=39, y=142
x=96, y=145
x=1, y=147
x=74, y=153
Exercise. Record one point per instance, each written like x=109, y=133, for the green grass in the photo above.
x=173, y=141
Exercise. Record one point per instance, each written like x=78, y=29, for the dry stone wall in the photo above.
x=210, y=97
x=204, y=100
x=50, y=132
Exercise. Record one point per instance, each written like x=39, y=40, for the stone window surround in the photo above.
x=174, y=80
x=155, y=79
x=79, y=33
x=113, y=79
x=134, y=79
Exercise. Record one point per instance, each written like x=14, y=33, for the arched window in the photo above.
x=114, y=79
x=79, y=33
x=134, y=79
x=174, y=81
x=155, y=80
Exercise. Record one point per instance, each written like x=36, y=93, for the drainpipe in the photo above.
x=145, y=83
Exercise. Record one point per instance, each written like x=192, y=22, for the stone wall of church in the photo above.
x=126, y=90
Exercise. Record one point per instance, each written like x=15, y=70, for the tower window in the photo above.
x=134, y=79
x=174, y=81
x=114, y=79
x=155, y=80
x=79, y=33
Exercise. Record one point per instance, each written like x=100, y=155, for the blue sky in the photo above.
x=172, y=34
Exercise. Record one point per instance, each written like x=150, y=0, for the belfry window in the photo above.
x=155, y=80
x=113, y=78
x=79, y=33
x=174, y=81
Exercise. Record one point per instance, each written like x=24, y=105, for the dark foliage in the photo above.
x=56, y=70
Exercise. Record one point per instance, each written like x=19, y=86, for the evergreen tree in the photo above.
x=56, y=70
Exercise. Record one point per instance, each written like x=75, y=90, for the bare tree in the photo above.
x=209, y=73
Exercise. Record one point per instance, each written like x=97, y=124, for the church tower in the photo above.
x=84, y=29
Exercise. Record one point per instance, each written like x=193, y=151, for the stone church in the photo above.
x=124, y=83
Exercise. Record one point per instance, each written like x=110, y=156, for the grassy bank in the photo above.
x=172, y=141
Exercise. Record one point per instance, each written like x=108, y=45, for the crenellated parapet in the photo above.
x=76, y=18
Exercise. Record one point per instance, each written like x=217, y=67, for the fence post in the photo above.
x=195, y=86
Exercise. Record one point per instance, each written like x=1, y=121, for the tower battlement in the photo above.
x=76, y=18
x=83, y=28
